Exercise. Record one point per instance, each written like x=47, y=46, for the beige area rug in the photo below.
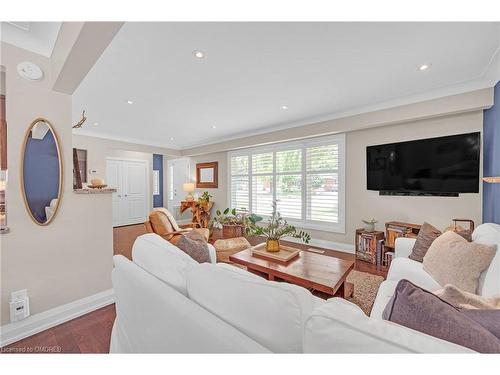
x=365, y=289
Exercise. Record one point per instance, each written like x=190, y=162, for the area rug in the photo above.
x=365, y=289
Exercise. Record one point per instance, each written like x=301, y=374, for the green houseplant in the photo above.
x=276, y=228
x=233, y=223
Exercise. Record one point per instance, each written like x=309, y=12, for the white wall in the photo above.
x=72, y=257
x=364, y=204
x=98, y=149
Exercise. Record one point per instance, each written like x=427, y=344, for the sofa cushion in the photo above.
x=453, y=260
x=339, y=326
x=163, y=260
x=418, y=309
x=384, y=294
x=404, y=268
x=271, y=313
x=489, y=282
x=426, y=236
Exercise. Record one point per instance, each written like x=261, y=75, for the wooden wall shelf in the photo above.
x=94, y=191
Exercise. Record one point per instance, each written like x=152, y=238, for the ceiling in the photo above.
x=38, y=37
x=251, y=70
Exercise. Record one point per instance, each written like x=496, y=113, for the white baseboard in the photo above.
x=331, y=245
x=33, y=324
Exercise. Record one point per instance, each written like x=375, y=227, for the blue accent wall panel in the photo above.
x=491, y=162
x=158, y=166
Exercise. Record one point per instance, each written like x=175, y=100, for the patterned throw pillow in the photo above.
x=426, y=236
x=194, y=245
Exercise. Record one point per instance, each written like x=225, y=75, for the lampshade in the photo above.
x=188, y=187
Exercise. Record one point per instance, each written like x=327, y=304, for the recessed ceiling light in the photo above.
x=213, y=126
x=199, y=54
x=284, y=107
x=130, y=102
x=424, y=67
x=171, y=138
x=96, y=123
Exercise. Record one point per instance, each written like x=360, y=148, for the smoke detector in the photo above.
x=30, y=71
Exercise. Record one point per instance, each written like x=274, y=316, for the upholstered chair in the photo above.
x=162, y=222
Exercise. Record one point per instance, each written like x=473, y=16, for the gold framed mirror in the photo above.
x=41, y=172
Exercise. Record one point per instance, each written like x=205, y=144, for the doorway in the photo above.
x=131, y=200
x=179, y=172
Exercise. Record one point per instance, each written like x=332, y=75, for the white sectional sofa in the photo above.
x=403, y=267
x=168, y=303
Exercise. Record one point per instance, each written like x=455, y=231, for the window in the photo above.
x=306, y=178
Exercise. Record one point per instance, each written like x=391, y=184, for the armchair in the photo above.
x=162, y=222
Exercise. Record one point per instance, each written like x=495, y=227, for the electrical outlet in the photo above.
x=19, y=305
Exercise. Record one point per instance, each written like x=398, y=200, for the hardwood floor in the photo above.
x=91, y=333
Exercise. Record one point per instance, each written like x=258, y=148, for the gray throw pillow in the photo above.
x=195, y=248
x=418, y=309
x=426, y=236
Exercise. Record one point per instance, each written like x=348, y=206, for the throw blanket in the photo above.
x=465, y=300
x=194, y=244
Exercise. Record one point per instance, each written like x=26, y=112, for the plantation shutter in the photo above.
x=322, y=171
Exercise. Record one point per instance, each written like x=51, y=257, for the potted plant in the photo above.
x=277, y=228
x=230, y=223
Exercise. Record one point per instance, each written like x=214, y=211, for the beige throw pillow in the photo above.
x=465, y=300
x=452, y=260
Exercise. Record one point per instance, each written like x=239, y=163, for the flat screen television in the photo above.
x=435, y=166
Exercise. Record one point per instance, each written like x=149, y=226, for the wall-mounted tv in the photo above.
x=435, y=166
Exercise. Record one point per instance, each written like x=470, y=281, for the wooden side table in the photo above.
x=200, y=211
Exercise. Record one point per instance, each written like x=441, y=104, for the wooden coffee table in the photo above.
x=317, y=272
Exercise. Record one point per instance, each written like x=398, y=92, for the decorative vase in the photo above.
x=273, y=246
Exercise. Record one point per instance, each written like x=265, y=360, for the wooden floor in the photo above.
x=91, y=333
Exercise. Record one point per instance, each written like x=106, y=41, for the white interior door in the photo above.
x=178, y=174
x=130, y=202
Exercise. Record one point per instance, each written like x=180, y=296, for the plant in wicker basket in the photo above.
x=230, y=223
x=276, y=228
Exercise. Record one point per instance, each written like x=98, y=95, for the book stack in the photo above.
x=369, y=246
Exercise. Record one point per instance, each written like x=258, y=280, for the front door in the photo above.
x=178, y=174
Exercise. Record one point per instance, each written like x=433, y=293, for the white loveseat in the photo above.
x=403, y=267
x=168, y=303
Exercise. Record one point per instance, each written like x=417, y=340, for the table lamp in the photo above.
x=188, y=187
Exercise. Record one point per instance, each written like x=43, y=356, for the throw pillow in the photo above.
x=195, y=246
x=418, y=309
x=453, y=260
x=465, y=300
x=426, y=236
x=489, y=319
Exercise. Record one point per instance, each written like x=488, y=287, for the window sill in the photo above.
x=322, y=227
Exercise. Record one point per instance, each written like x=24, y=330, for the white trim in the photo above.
x=13, y=332
x=331, y=245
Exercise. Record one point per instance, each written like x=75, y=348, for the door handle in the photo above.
x=119, y=196
x=126, y=195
